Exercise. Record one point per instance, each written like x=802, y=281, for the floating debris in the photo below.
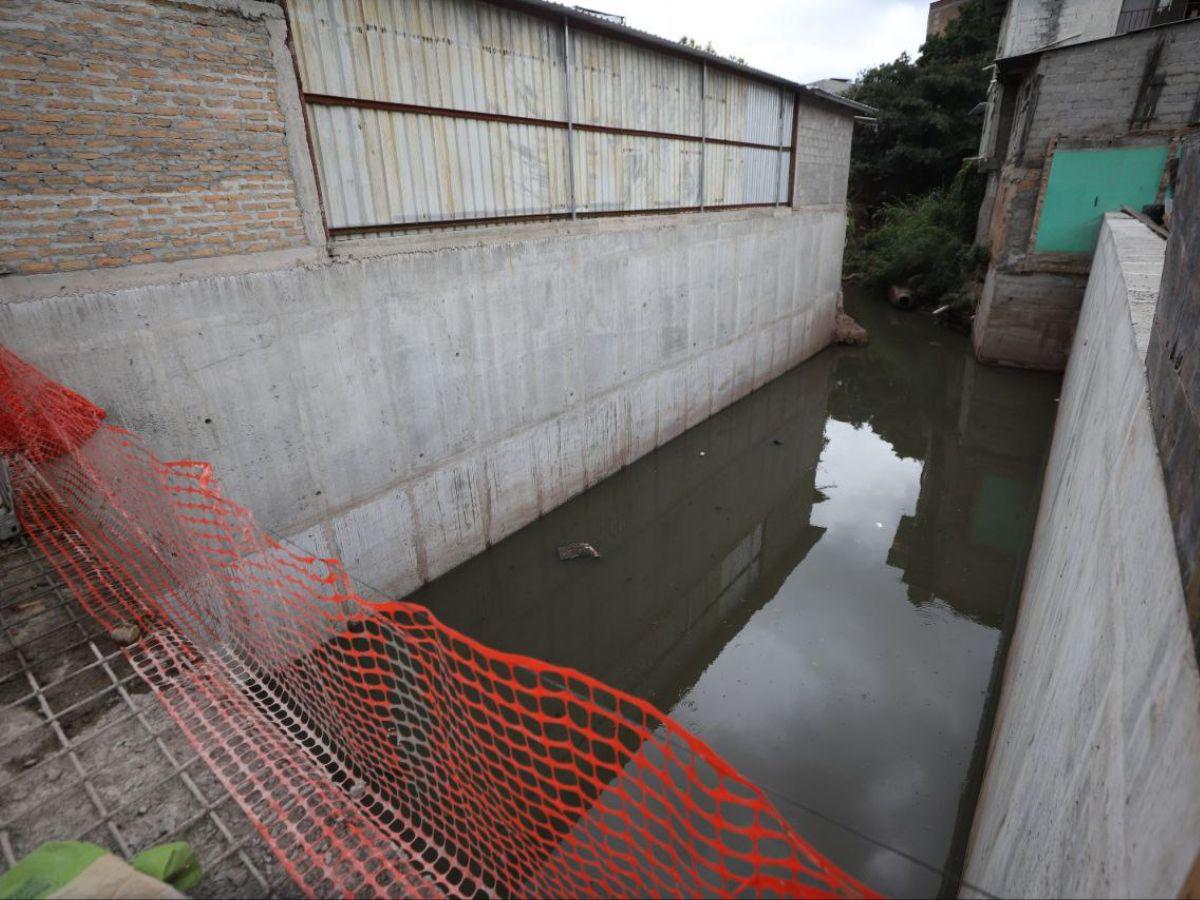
x=580, y=550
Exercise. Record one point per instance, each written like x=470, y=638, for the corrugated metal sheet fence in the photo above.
x=426, y=113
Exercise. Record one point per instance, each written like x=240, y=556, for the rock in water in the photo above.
x=580, y=550
x=847, y=331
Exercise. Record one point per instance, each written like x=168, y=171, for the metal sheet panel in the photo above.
x=739, y=109
x=383, y=167
x=737, y=175
x=628, y=172
x=624, y=86
x=456, y=54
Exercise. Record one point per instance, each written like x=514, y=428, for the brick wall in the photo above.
x=137, y=132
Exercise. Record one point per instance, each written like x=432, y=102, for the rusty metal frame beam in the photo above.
x=537, y=217
x=781, y=150
x=445, y=112
x=568, y=103
x=703, y=127
x=791, y=197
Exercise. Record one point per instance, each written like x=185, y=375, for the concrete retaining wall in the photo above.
x=1093, y=779
x=404, y=410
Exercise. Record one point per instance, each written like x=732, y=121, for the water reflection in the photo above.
x=815, y=581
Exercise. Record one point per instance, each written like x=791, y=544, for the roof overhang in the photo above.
x=588, y=22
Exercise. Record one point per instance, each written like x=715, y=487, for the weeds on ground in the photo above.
x=925, y=243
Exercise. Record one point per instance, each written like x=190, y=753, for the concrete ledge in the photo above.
x=248, y=9
x=17, y=288
x=487, y=236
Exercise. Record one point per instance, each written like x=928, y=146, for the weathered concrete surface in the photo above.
x=1027, y=320
x=1093, y=779
x=1033, y=24
x=405, y=410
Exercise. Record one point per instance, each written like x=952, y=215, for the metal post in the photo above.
x=795, y=148
x=568, y=83
x=703, y=125
x=779, y=155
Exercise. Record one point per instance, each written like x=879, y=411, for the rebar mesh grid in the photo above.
x=87, y=753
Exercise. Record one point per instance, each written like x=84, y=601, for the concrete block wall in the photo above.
x=402, y=411
x=1092, y=785
x=137, y=132
x=1091, y=91
x=822, y=157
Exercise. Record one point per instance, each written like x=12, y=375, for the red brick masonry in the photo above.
x=137, y=132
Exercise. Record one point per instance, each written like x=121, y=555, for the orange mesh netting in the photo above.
x=378, y=751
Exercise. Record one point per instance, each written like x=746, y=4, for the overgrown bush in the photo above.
x=924, y=243
x=916, y=216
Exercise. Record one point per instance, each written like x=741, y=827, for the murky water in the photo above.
x=816, y=581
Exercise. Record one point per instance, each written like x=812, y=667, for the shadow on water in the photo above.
x=817, y=581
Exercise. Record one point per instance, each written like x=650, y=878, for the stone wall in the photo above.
x=1092, y=786
x=1174, y=366
x=138, y=131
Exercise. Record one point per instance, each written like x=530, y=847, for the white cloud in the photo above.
x=804, y=40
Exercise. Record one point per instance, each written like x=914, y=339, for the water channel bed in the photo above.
x=818, y=581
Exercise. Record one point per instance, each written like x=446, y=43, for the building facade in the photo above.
x=1081, y=120
x=409, y=273
x=942, y=13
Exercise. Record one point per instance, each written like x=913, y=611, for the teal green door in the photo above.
x=1085, y=184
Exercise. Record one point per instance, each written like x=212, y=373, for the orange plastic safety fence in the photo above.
x=378, y=751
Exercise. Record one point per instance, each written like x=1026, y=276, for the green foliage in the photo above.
x=918, y=199
x=925, y=242
x=925, y=128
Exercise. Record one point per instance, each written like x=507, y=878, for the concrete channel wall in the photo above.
x=397, y=401
x=402, y=411
x=1093, y=779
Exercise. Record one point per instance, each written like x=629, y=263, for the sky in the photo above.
x=803, y=40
